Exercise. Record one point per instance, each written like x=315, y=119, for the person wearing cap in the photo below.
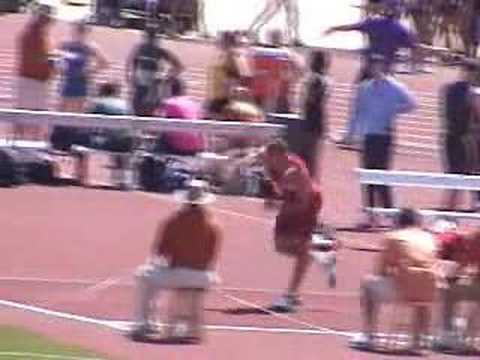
x=148, y=70
x=404, y=272
x=184, y=254
x=378, y=103
x=297, y=218
x=459, y=281
x=458, y=126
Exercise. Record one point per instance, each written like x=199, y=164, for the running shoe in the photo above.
x=286, y=304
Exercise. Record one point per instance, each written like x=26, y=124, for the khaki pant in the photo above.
x=455, y=294
x=153, y=277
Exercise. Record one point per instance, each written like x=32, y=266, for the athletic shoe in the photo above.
x=361, y=341
x=285, y=304
x=141, y=332
x=453, y=343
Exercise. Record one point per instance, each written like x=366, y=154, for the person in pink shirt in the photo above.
x=181, y=106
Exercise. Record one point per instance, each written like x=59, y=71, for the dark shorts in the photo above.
x=456, y=155
x=143, y=103
x=75, y=88
x=293, y=232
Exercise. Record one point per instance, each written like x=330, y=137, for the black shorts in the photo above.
x=456, y=155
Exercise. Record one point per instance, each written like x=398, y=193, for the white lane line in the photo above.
x=222, y=210
x=104, y=285
x=126, y=325
x=93, y=282
x=29, y=355
x=285, y=317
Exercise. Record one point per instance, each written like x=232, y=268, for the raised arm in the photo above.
x=349, y=27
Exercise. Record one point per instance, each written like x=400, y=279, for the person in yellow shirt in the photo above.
x=229, y=70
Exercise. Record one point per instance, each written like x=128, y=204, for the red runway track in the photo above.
x=71, y=251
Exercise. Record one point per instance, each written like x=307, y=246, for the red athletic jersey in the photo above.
x=302, y=201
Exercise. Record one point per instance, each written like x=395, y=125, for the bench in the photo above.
x=421, y=180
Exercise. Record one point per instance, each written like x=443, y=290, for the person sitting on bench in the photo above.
x=188, y=243
x=404, y=274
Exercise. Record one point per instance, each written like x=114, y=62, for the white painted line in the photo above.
x=28, y=355
x=104, y=285
x=94, y=282
x=126, y=325
x=288, y=318
x=222, y=210
x=52, y=313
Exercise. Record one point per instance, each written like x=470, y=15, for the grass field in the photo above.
x=16, y=344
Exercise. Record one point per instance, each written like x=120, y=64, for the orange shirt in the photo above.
x=34, y=52
x=189, y=239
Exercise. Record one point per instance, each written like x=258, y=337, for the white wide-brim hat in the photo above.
x=195, y=194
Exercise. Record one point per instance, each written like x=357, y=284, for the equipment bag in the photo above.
x=63, y=137
x=150, y=172
x=19, y=166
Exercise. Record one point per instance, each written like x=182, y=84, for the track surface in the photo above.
x=73, y=250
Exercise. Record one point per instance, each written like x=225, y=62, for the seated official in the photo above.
x=404, y=273
x=188, y=243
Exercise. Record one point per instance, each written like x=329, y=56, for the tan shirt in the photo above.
x=189, y=239
x=409, y=257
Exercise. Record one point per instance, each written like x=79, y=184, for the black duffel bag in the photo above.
x=20, y=166
x=63, y=137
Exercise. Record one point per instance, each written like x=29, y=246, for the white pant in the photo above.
x=32, y=94
x=380, y=288
x=153, y=277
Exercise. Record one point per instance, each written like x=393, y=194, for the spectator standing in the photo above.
x=77, y=57
x=276, y=69
x=149, y=67
x=457, y=118
x=403, y=272
x=379, y=101
x=181, y=106
x=386, y=36
x=473, y=141
x=35, y=65
x=314, y=126
x=188, y=243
